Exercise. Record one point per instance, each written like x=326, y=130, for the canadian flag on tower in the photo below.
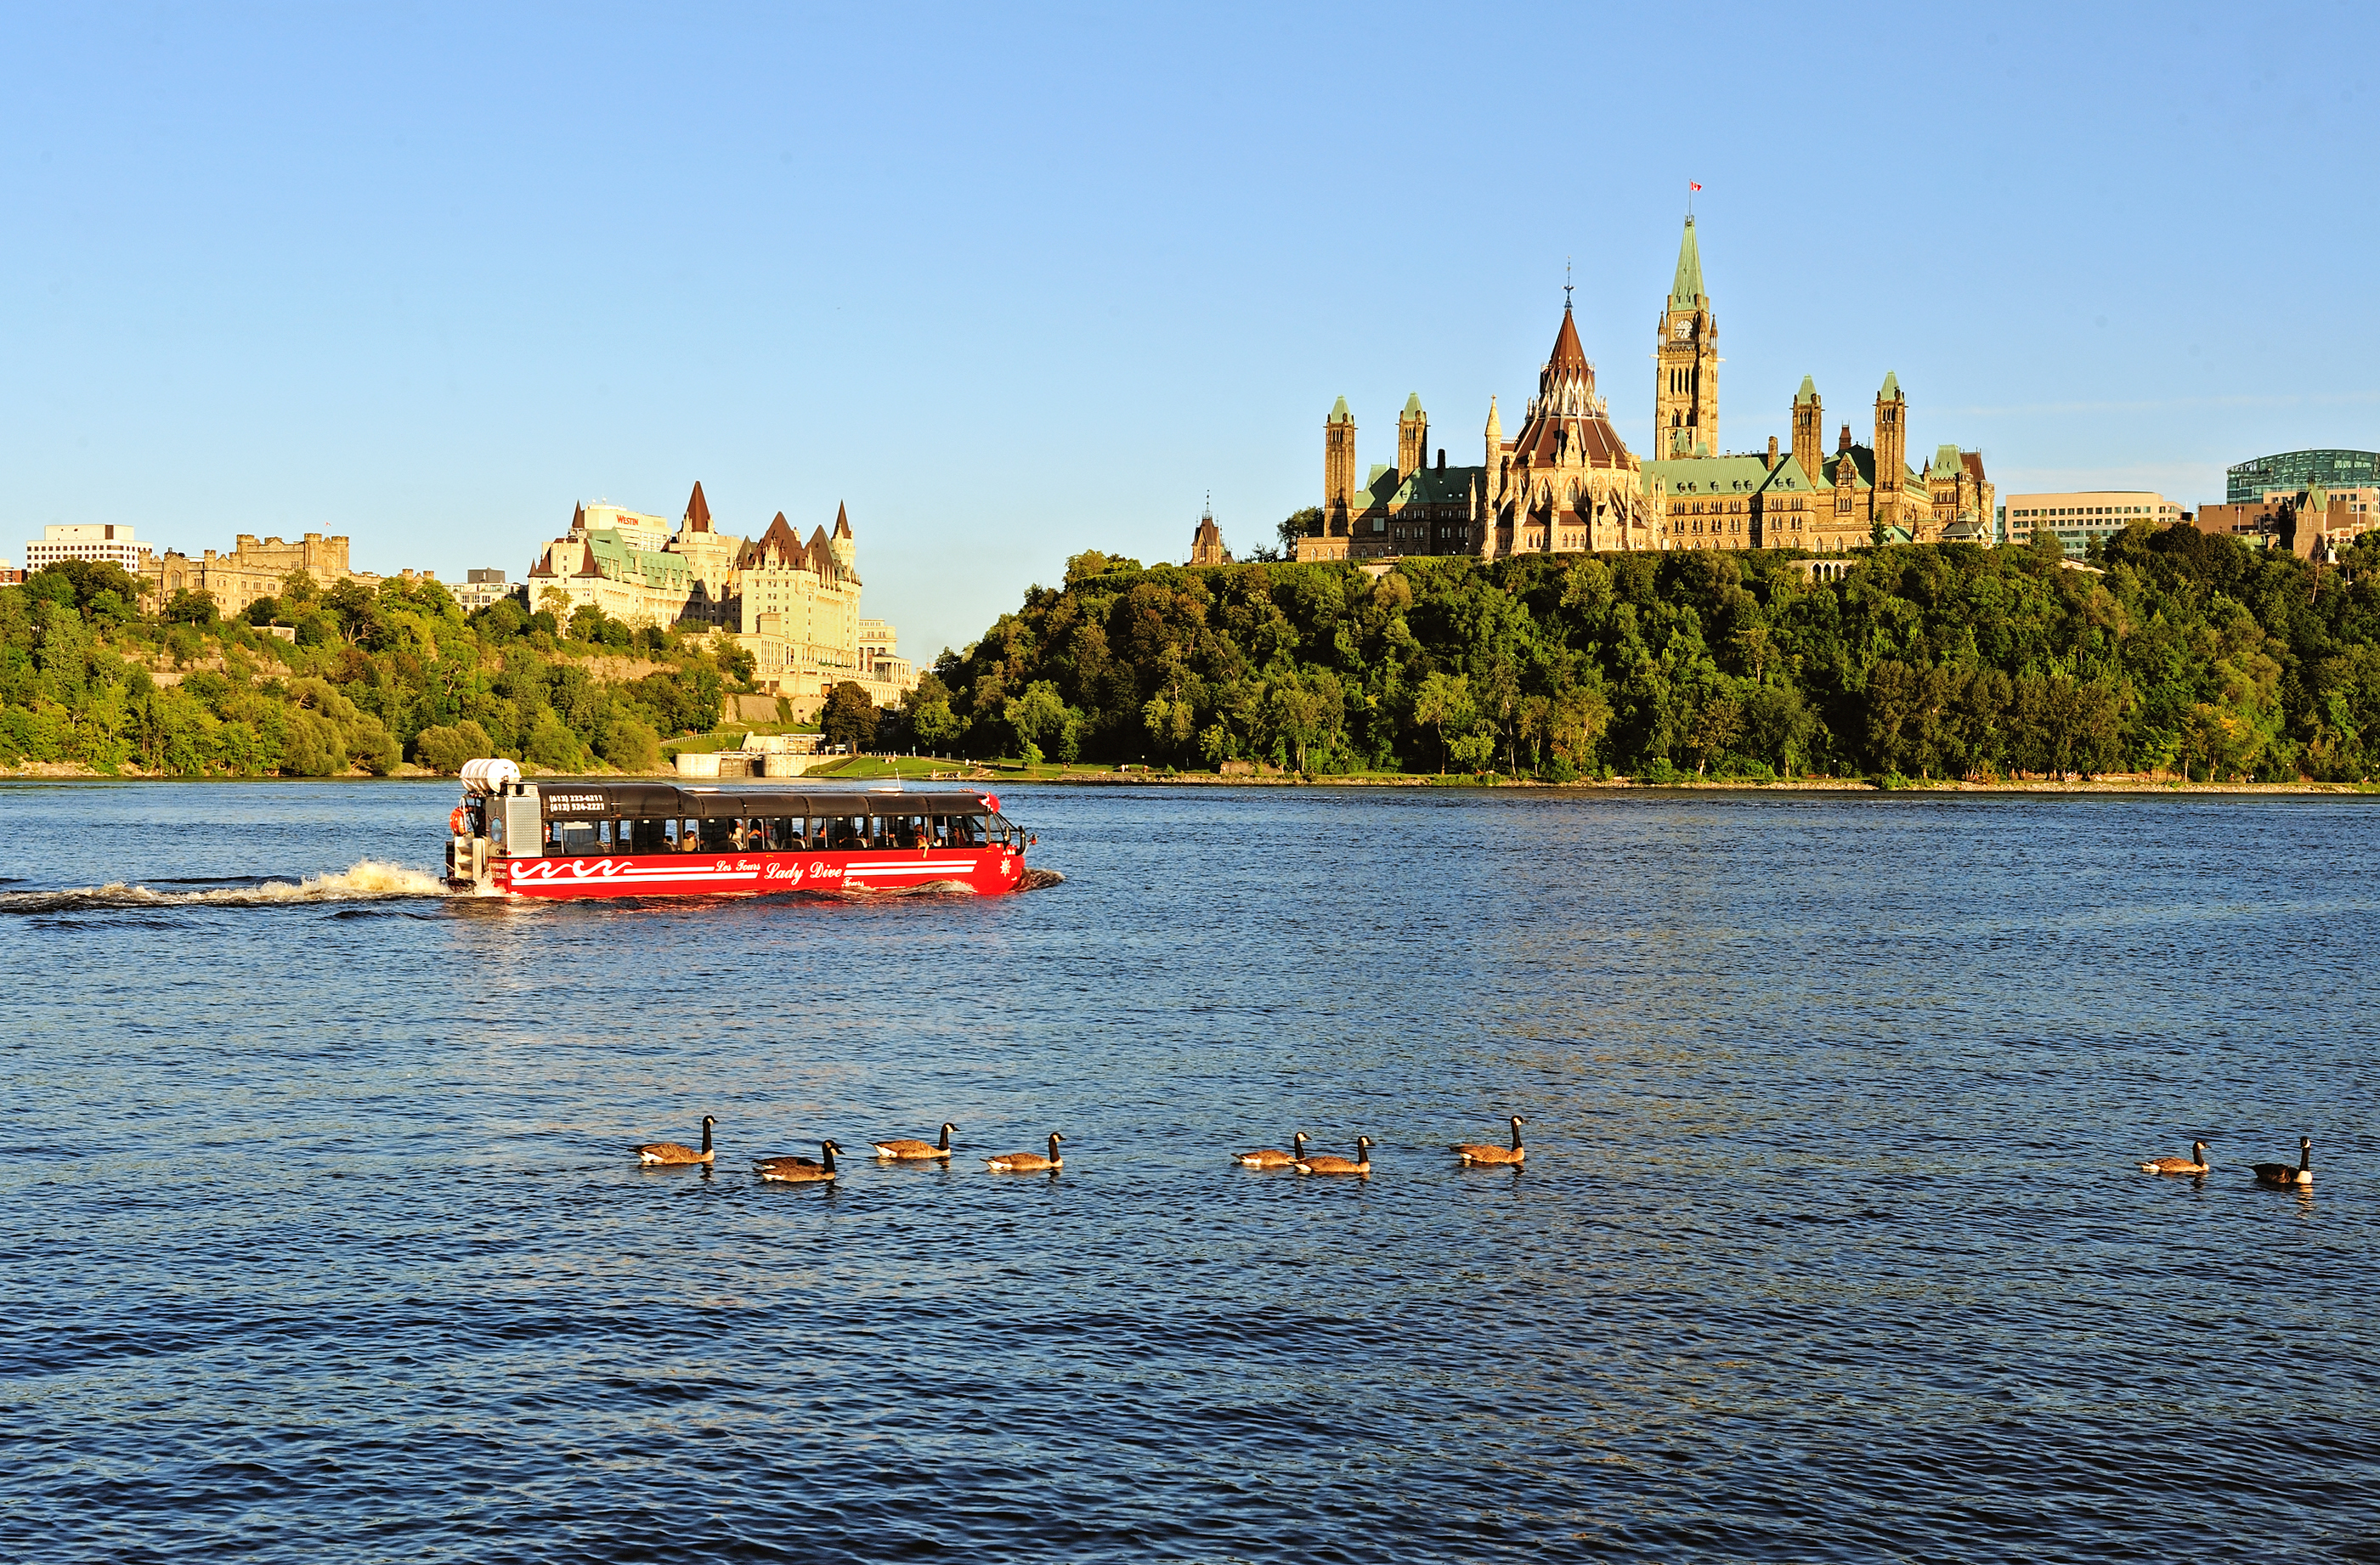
x=1691, y=185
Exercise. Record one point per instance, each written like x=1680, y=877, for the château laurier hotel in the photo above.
x=1566, y=482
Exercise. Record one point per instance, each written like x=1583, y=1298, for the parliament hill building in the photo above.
x=1566, y=482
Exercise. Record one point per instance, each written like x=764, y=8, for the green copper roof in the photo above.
x=1808, y=394
x=616, y=558
x=1339, y=414
x=1946, y=461
x=1863, y=461
x=1687, y=290
x=1737, y=476
x=1413, y=401
x=1892, y=386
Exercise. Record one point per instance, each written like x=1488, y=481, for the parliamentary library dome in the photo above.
x=1564, y=482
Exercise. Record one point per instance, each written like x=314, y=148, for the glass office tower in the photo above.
x=2293, y=471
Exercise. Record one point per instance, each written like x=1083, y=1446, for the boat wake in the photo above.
x=1036, y=879
x=368, y=881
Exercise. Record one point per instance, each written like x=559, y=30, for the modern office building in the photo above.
x=2292, y=472
x=94, y=541
x=2078, y=517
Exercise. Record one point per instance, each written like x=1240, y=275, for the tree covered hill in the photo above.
x=2181, y=651
x=370, y=679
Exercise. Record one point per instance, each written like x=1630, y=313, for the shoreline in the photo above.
x=58, y=771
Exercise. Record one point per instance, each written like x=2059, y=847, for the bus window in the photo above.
x=649, y=837
x=575, y=837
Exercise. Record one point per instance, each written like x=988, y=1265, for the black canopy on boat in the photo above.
x=567, y=798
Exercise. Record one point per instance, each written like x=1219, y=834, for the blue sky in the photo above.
x=1018, y=282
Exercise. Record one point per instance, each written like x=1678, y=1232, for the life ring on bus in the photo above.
x=459, y=823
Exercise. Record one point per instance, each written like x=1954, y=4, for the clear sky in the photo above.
x=1017, y=282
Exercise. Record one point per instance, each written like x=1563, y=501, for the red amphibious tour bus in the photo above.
x=568, y=837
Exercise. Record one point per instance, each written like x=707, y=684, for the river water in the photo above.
x=322, y=1239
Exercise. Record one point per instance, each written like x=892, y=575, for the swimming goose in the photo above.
x=1272, y=1157
x=1029, y=1162
x=2195, y=1163
x=916, y=1148
x=1476, y=1152
x=669, y=1153
x=1328, y=1164
x=799, y=1171
x=2286, y=1176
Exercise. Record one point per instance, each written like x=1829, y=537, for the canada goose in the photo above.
x=799, y=1171
x=1328, y=1164
x=2284, y=1175
x=669, y=1153
x=1029, y=1162
x=1272, y=1157
x=1476, y=1152
x=2195, y=1164
x=916, y=1148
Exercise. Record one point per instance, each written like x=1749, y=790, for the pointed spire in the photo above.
x=1807, y=394
x=697, y=510
x=842, y=521
x=1495, y=422
x=1686, y=292
x=579, y=517
x=1413, y=401
x=1339, y=414
x=1891, y=391
x=1567, y=354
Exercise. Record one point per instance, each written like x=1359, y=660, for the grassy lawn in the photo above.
x=869, y=768
x=727, y=736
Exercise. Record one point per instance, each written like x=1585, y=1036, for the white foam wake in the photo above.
x=368, y=880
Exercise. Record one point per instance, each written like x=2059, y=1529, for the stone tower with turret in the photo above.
x=1809, y=432
x=1891, y=453
x=1338, y=470
x=1685, y=395
x=1413, y=438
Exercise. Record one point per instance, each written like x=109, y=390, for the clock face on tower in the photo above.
x=1683, y=328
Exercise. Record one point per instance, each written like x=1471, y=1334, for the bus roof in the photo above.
x=568, y=798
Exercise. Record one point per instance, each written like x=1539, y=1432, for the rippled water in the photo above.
x=323, y=1242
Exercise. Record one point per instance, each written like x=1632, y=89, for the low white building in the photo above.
x=2078, y=515
x=92, y=540
x=480, y=589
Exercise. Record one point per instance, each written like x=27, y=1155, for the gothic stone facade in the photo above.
x=1567, y=483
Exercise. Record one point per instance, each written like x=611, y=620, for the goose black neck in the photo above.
x=1053, y=1149
x=706, y=1135
x=2305, y=1156
x=826, y=1156
x=945, y=1144
x=1516, y=1136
